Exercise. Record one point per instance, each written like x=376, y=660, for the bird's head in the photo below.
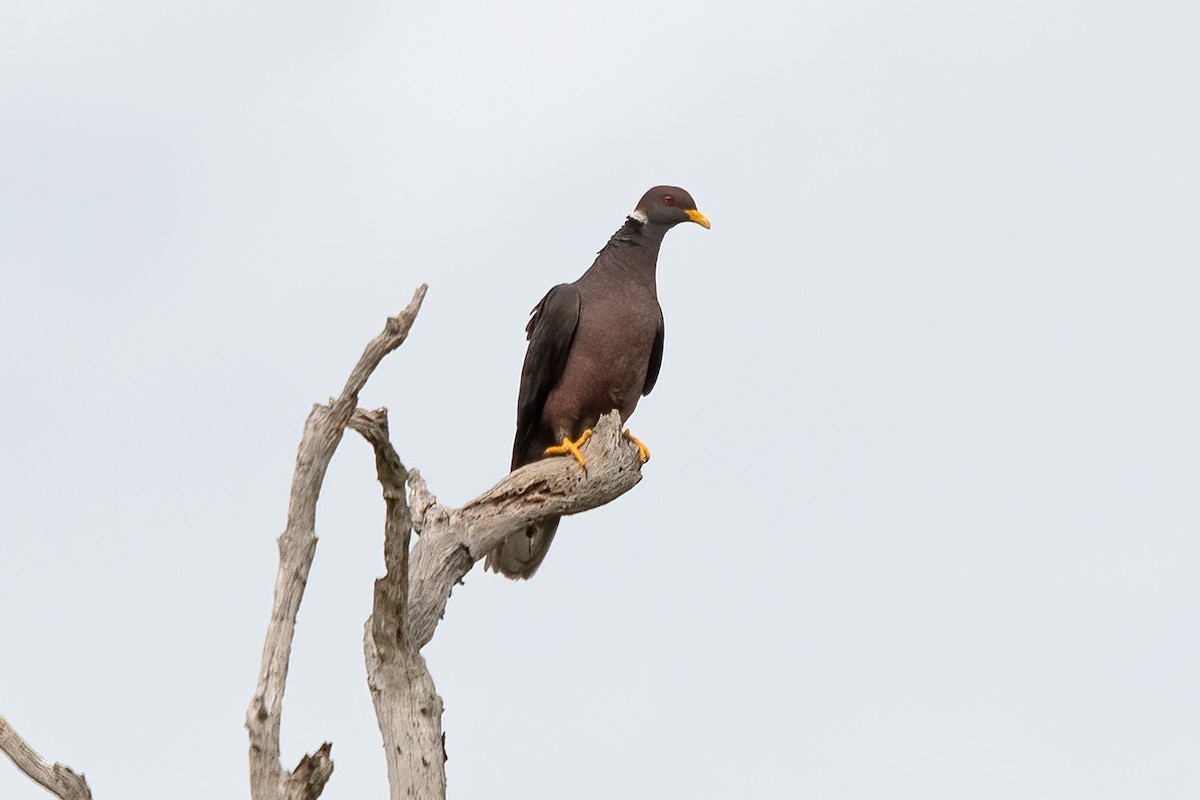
x=668, y=206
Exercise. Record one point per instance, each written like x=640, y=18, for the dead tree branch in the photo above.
x=61, y=781
x=297, y=545
x=410, y=599
x=407, y=706
x=452, y=540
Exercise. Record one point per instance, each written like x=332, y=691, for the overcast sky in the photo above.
x=923, y=511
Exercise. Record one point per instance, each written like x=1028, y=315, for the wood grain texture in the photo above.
x=61, y=781
x=452, y=540
x=407, y=706
x=297, y=546
x=410, y=599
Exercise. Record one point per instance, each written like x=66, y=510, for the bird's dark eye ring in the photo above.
x=668, y=199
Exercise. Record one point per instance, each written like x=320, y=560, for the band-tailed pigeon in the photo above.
x=594, y=345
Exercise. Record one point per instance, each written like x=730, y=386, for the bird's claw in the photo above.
x=643, y=451
x=571, y=448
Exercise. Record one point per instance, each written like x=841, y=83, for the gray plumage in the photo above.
x=594, y=345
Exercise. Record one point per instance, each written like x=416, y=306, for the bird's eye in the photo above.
x=668, y=199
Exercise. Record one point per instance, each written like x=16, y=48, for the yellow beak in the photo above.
x=698, y=218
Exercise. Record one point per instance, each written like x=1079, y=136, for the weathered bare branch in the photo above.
x=297, y=545
x=407, y=705
x=410, y=598
x=409, y=712
x=59, y=780
x=452, y=540
x=391, y=591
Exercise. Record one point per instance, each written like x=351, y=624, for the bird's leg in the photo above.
x=643, y=451
x=570, y=448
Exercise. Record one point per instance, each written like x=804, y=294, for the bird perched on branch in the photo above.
x=594, y=345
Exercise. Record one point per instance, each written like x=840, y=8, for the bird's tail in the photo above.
x=519, y=556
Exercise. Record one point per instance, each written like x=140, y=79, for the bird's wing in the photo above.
x=655, y=357
x=551, y=330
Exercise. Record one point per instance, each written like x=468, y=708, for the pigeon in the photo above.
x=595, y=345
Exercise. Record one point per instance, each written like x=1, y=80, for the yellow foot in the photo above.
x=570, y=448
x=643, y=452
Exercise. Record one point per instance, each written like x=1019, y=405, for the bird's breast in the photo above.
x=606, y=368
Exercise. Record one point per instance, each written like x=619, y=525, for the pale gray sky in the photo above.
x=922, y=515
